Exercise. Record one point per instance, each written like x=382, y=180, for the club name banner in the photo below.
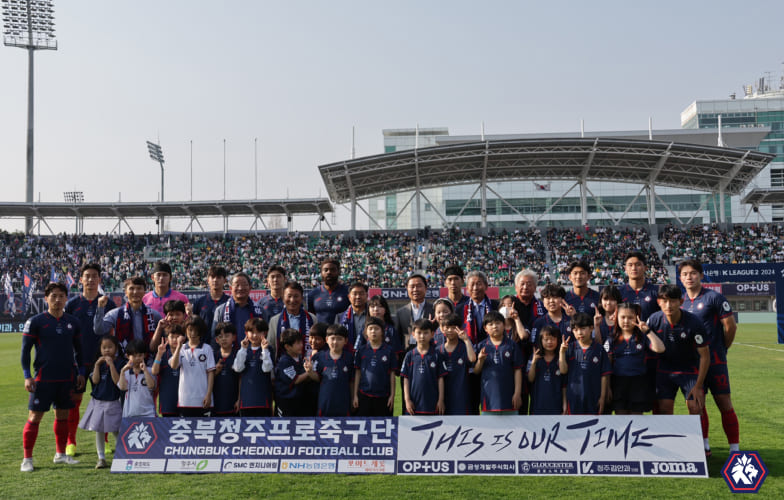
x=650, y=445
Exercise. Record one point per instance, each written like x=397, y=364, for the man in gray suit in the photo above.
x=417, y=308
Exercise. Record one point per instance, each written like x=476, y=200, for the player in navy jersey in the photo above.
x=168, y=378
x=225, y=390
x=254, y=365
x=716, y=314
x=205, y=305
x=272, y=303
x=686, y=358
x=459, y=356
x=334, y=370
x=353, y=318
x=331, y=297
x=423, y=373
x=587, y=368
x=374, y=378
x=500, y=365
x=548, y=386
x=58, y=342
x=581, y=297
x=83, y=307
x=454, y=280
x=638, y=290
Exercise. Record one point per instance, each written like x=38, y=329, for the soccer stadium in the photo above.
x=619, y=263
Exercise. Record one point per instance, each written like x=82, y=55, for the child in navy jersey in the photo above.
x=587, y=367
x=334, y=369
x=104, y=412
x=629, y=346
x=291, y=371
x=253, y=363
x=458, y=354
x=225, y=391
x=553, y=299
x=423, y=373
x=548, y=386
x=374, y=377
x=500, y=363
x=168, y=378
x=442, y=308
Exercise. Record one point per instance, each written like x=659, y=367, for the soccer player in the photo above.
x=272, y=303
x=162, y=291
x=205, y=305
x=423, y=373
x=133, y=320
x=581, y=297
x=331, y=297
x=638, y=290
x=500, y=364
x=374, y=378
x=353, y=318
x=83, y=307
x=57, y=338
x=686, y=358
x=454, y=280
x=239, y=308
x=716, y=314
x=293, y=316
x=334, y=370
x=587, y=368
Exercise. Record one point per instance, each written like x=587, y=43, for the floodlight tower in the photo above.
x=29, y=24
x=156, y=154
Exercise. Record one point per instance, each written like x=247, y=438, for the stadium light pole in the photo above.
x=29, y=24
x=157, y=155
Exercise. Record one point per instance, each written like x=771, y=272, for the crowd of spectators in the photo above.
x=383, y=259
x=738, y=245
x=604, y=248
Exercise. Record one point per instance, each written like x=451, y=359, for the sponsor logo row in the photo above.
x=421, y=467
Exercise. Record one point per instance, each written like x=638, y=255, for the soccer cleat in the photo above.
x=101, y=464
x=27, y=465
x=70, y=450
x=60, y=458
x=708, y=453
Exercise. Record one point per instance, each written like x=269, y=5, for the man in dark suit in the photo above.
x=474, y=312
x=417, y=308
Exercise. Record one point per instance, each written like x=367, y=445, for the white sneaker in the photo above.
x=61, y=458
x=27, y=465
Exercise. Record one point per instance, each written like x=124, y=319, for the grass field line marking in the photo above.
x=759, y=347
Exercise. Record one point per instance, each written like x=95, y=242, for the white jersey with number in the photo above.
x=195, y=362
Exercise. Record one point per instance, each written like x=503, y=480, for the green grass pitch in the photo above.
x=756, y=371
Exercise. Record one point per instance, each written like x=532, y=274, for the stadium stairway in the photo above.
x=657, y=245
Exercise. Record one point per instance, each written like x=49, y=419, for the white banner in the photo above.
x=647, y=445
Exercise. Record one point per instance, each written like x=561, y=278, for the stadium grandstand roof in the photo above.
x=764, y=196
x=661, y=162
x=168, y=209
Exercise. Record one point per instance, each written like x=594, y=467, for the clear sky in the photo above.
x=298, y=75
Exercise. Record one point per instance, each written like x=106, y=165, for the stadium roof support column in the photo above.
x=353, y=195
x=483, y=185
x=417, y=192
x=722, y=218
x=584, y=183
x=651, y=203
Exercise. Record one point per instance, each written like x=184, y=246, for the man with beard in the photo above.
x=331, y=297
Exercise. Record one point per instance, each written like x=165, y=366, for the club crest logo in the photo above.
x=139, y=438
x=202, y=357
x=744, y=472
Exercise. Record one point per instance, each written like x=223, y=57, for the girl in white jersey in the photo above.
x=137, y=379
x=196, y=363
